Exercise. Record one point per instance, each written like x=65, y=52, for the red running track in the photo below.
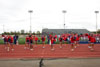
x=19, y=52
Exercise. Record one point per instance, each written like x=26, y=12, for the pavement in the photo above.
x=64, y=62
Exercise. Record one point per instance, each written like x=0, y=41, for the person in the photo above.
x=56, y=37
x=27, y=42
x=6, y=41
x=92, y=41
x=77, y=40
x=60, y=40
x=43, y=41
x=65, y=39
x=52, y=43
x=31, y=42
x=72, y=42
x=3, y=36
x=15, y=39
x=89, y=38
x=36, y=39
x=48, y=38
x=10, y=40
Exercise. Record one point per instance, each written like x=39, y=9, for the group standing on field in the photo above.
x=72, y=39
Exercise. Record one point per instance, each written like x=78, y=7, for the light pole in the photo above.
x=30, y=11
x=3, y=28
x=96, y=12
x=64, y=11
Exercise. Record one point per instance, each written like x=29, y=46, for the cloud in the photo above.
x=48, y=13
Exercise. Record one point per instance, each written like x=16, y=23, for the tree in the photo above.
x=38, y=32
x=33, y=33
x=98, y=31
x=22, y=31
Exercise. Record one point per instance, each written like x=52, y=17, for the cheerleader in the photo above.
x=27, y=42
x=72, y=43
x=52, y=43
x=43, y=41
x=60, y=40
x=92, y=42
x=31, y=42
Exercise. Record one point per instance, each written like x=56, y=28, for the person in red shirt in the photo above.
x=65, y=39
x=52, y=43
x=11, y=43
x=6, y=41
x=89, y=43
x=72, y=42
x=77, y=40
x=56, y=37
x=43, y=41
x=10, y=40
x=31, y=42
x=92, y=40
x=27, y=42
x=36, y=39
x=60, y=40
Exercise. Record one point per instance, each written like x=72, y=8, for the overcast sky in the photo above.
x=48, y=14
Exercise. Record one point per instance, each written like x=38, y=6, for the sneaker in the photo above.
x=89, y=46
x=52, y=49
x=60, y=47
x=75, y=47
x=24, y=47
x=92, y=49
x=31, y=49
x=72, y=49
x=8, y=49
x=12, y=49
x=43, y=47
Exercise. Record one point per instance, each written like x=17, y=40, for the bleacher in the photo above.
x=62, y=31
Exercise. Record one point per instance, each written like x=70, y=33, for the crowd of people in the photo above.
x=72, y=39
x=9, y=41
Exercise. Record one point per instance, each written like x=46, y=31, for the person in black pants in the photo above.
x=15, y=39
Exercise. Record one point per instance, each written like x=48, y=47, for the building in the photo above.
x=61, y=31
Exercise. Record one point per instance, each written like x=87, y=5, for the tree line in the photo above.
x=22, y=32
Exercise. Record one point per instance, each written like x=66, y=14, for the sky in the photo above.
x=14, y=15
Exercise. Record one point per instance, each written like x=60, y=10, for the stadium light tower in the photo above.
x=64, y=12
x=96, y=12
x=30, y=11
x=3, y=28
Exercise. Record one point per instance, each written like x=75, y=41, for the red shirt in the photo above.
x=77, y=38
x=92, y=40
x=43, y=38
x=50, y=36
x=72, y=39
x=52, y=40
x=27, y=39
x=65, y=38
x=36, y=38
x=55, y=36
x=30, y=39
x=60, y=39
x=11, y=39
x=6, y=38
x=89, y=37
